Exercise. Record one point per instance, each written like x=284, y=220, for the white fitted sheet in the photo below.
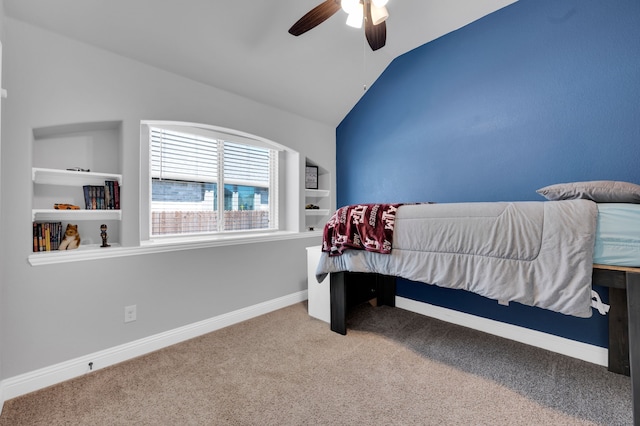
x=617, y=235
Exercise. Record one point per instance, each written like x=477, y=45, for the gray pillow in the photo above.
x=600, y=191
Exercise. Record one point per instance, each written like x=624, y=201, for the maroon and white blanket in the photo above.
x=361, y=226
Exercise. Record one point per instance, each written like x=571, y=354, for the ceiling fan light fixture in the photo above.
x=356, y=16
x=375, y=35
x=349, y=5
x=380, y=3
x=378, y=14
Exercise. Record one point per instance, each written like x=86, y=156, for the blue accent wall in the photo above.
x=539, y=92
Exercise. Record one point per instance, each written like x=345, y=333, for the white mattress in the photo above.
x=618, y=235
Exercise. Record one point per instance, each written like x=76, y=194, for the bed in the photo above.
x=538, y=253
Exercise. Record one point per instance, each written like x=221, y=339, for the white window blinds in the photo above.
x=246, y=165
x=183, y=157
x=193, y=177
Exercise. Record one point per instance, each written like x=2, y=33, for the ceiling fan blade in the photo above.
x=376, y=34
x=315, y=17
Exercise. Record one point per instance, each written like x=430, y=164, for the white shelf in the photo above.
x=315, y=218
x=316, y=193
x=316, y=212
x=71, y=178
x=84, y=252
x=58, y=215
x=45, y=176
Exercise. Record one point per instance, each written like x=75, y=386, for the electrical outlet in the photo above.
x=130, y=313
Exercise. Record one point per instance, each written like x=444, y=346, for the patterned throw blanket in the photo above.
x=362, y=226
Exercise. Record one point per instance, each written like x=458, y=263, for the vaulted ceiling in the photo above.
x=243, y=46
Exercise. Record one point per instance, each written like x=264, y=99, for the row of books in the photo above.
x=47, y=236
x=99, y=197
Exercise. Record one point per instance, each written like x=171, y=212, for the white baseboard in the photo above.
x=44, y=377
x=39, y=379
x=561, y=345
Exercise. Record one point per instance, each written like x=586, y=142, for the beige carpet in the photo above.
x=285, y=368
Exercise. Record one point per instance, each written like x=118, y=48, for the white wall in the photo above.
x=1, y=231
x=50, y=314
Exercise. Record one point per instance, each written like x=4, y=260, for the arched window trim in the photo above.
x=208, y=131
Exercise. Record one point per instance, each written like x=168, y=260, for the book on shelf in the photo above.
x=47, y=236
x=116, y=194
x=108, y=199
x=102, y=197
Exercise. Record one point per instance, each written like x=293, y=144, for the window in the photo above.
x=205, y=181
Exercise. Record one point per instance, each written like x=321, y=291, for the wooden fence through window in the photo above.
x=180, y=222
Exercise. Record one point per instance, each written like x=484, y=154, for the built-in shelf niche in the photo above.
x=316, y=218
x=93, y=146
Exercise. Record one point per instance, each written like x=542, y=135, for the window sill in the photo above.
x=149, y=247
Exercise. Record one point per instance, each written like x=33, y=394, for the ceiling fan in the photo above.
x=373, y=12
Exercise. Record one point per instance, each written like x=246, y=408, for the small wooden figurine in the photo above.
x=103, y=234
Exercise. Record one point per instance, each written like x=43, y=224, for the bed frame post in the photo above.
x=633, y=308
x=338, y=300
x=386, y=290
x=618, y=331
x=348, y=289
x=624, y=324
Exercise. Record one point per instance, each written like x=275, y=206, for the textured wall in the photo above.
x=540, y=92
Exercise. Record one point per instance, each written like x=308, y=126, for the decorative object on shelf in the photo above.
x=78, y=169
x=311, y=177
x=103, y=235
x=311, y=207
x=66, y=206
x=71, y=238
